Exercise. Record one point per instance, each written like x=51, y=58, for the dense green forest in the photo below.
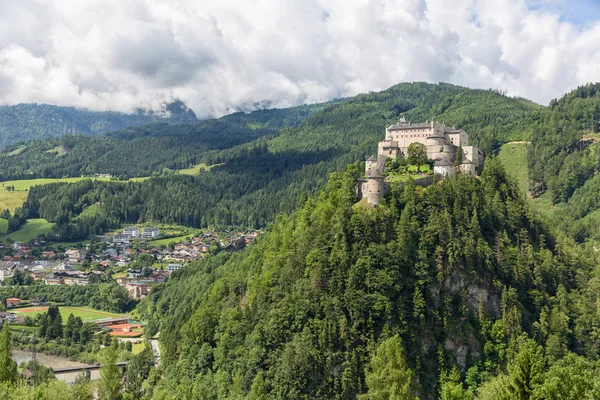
x=455, y=290
x=25, y=122
x=142, y=151
x=564, y=160
x=255, y=179
x=104, y=296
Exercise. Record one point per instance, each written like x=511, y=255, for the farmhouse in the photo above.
x=137, y=289
x=13, y=302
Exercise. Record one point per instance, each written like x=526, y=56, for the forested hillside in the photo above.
x=142, y=151
x=564, y=160
x=25, y=122
x=255, y=179
x=456, y=291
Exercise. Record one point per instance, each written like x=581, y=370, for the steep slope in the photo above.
x=25, y=122
x=457, y=270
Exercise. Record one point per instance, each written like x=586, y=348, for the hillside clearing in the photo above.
x=196, y=169
x=32, y=229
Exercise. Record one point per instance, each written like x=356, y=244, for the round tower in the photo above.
x=375, y=187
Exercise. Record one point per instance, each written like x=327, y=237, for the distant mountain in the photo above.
x=25, y=122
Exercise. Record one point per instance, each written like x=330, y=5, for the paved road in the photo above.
x=156, y=349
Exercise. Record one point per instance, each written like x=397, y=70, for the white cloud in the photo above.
x=224, y=56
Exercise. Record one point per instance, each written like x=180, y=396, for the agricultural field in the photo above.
x=87, y=314
x=167, y=241
x=32, y=229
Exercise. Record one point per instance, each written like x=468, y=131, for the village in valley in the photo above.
x=136, y=258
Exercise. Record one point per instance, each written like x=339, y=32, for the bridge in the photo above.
x=69, y=375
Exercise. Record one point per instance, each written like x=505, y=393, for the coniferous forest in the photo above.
x=459, y=291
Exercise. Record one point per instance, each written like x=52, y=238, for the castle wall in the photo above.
x=443, y=170
x=436, y=141
x=404, y=138
x=467, y=168
x=459, y=139
x=474, y=154
x=386, y=148
x=438, y=152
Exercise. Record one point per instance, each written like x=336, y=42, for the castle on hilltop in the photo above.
x=442, y=143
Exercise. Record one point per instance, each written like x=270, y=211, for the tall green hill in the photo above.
x=457, y=271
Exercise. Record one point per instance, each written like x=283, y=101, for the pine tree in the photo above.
x=110, y=375
x=526, y=370
x=137, y=372
x=459, y=156
x=451, y=388
x=388, y=377
x=69, y=328
x=8, y=366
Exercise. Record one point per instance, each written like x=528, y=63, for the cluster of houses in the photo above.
x=117, y=253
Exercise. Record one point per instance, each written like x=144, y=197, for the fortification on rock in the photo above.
x=442, y=143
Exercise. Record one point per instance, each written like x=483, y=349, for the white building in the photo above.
x=149, y=233
x=174, y=267
x=132, y=231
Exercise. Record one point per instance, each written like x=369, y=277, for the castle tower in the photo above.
x=375, y=187
x=370, y=164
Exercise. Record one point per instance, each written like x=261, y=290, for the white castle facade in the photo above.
x=442, y=143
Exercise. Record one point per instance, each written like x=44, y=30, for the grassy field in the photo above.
x=196, y=169
x=3, y=225
x=166, y=241
x=32, y=229
x=87, y=314
x=514, y=158
x=414, y=168
x=137, y=347
x=16, y=151
x=13, y=199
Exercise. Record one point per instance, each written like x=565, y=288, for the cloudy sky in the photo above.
x=227, y=55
